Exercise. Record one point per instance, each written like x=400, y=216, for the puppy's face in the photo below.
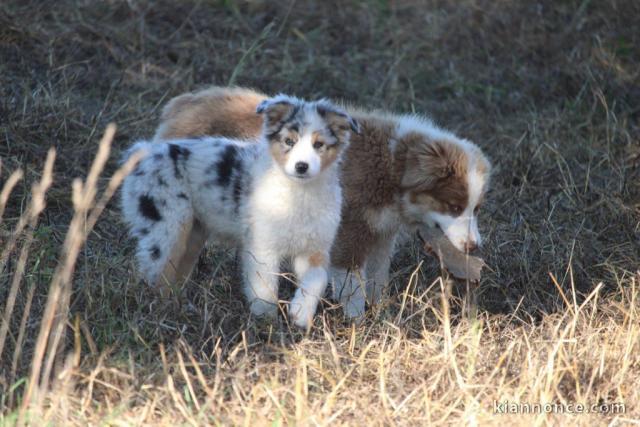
x=444, y=184
x=305, y=138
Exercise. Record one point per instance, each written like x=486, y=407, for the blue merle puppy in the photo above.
x=276, y=198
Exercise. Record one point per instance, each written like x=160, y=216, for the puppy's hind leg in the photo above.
x=378, y=264
x=191, y=238
x=349, y=290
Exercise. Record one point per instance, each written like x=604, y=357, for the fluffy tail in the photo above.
x=155, y=204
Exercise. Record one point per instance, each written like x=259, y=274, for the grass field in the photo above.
x=549, y=89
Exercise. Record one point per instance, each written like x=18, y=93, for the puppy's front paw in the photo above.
x=302, y=309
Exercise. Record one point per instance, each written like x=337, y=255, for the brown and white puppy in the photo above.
x=400, y=171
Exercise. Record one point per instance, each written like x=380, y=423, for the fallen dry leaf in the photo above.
x=459, y=264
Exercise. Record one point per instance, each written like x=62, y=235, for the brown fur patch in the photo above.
x=316, y=259
x=279, y=152
x=369, y=182
x=317, y=136
x=229, y=112
x=435, y=173
x=329, y=153
x=368, y=172
x=329, y=156
x=353, y=241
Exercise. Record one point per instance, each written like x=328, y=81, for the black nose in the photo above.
x=301, y=167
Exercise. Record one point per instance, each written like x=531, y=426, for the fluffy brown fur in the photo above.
x=444, y=188
x=194, y=114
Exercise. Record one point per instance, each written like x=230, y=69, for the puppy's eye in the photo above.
x=290, y=142
x=318, y=145
x=476, y=210
x=456, y=209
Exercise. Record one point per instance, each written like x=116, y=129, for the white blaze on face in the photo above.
x=462, y=230
x=303, y=160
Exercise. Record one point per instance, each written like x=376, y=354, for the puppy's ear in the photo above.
x=337, y=119
x=276, y=109
x=428, y=162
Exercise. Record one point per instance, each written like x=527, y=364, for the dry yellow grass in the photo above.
x=549, y=89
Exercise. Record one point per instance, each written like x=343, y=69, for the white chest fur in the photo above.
x=294, y=216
